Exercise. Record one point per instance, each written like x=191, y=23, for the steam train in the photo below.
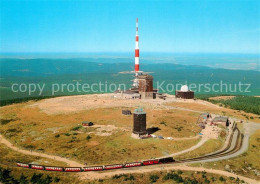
x=98, y=168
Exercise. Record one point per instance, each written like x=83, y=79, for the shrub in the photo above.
x=5, y=121
x=174, y=177
x=179, y=172
x=23, y=179
x=190, y=181
x=88, y=137
x=154, y=178
x=163, y=123
x=222, y=179
x=29, y=146
x=131, y=178
x=76, y=128
x=231, y=178
x=12, y=130
x=206, y=181
x=56, y=180
x=117, y=176
x=213, y=179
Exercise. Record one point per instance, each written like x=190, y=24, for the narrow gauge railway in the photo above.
x=98, y=168
x=225, y=152
x=166, y=160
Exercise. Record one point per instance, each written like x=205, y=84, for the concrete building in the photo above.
x=184, y=93
x=128, y=94
x=139, y=123
x=145, y=87
x=223, y=120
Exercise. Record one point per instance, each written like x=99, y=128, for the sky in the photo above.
x=187, y=26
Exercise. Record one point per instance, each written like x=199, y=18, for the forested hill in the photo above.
x=94, y=70
x=47, y=67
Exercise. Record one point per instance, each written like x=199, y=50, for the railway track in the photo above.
x=228, y=150
x=225, y=152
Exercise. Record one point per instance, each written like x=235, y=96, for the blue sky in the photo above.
x=202, y=26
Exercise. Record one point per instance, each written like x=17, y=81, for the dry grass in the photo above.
x=210, y=146
x=145, y=178
x=9, y=158
x=53, y=134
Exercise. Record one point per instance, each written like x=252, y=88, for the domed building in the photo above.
x=184, y=93
x=184, y=88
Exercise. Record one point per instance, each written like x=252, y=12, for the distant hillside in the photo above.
x=94, y=70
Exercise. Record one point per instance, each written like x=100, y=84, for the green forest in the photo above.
x=248, y=104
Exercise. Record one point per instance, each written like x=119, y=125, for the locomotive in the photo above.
x=98, y=168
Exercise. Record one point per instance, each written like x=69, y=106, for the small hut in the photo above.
x=126, y=112
x=87, y=123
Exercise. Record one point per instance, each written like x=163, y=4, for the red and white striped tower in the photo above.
x=136, y=48
x=137, y=71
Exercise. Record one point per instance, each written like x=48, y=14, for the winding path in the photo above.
x=57, y=158
x=202, y=141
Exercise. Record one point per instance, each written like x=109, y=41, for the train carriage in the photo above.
x=98, y=168
x=151, y=162
x=72, y=169
x=23, y=165
x=94, y=168
x=115, y=166
x=133, y=164
x=54, y=168
x=38, y=167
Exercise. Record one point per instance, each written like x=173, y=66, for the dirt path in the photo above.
x=202, y=141
x=10, y=145
x=163, y=168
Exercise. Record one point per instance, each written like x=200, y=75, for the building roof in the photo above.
x=145, y=76
x=185, y=91
x=220, y=118
x=139, y=111
x=205, y=114
x=83, y=122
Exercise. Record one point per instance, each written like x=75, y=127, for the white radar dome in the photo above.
x=184, y=88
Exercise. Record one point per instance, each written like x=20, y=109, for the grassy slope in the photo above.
x=209, y=147
x=32, y=129
x=8, y=156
